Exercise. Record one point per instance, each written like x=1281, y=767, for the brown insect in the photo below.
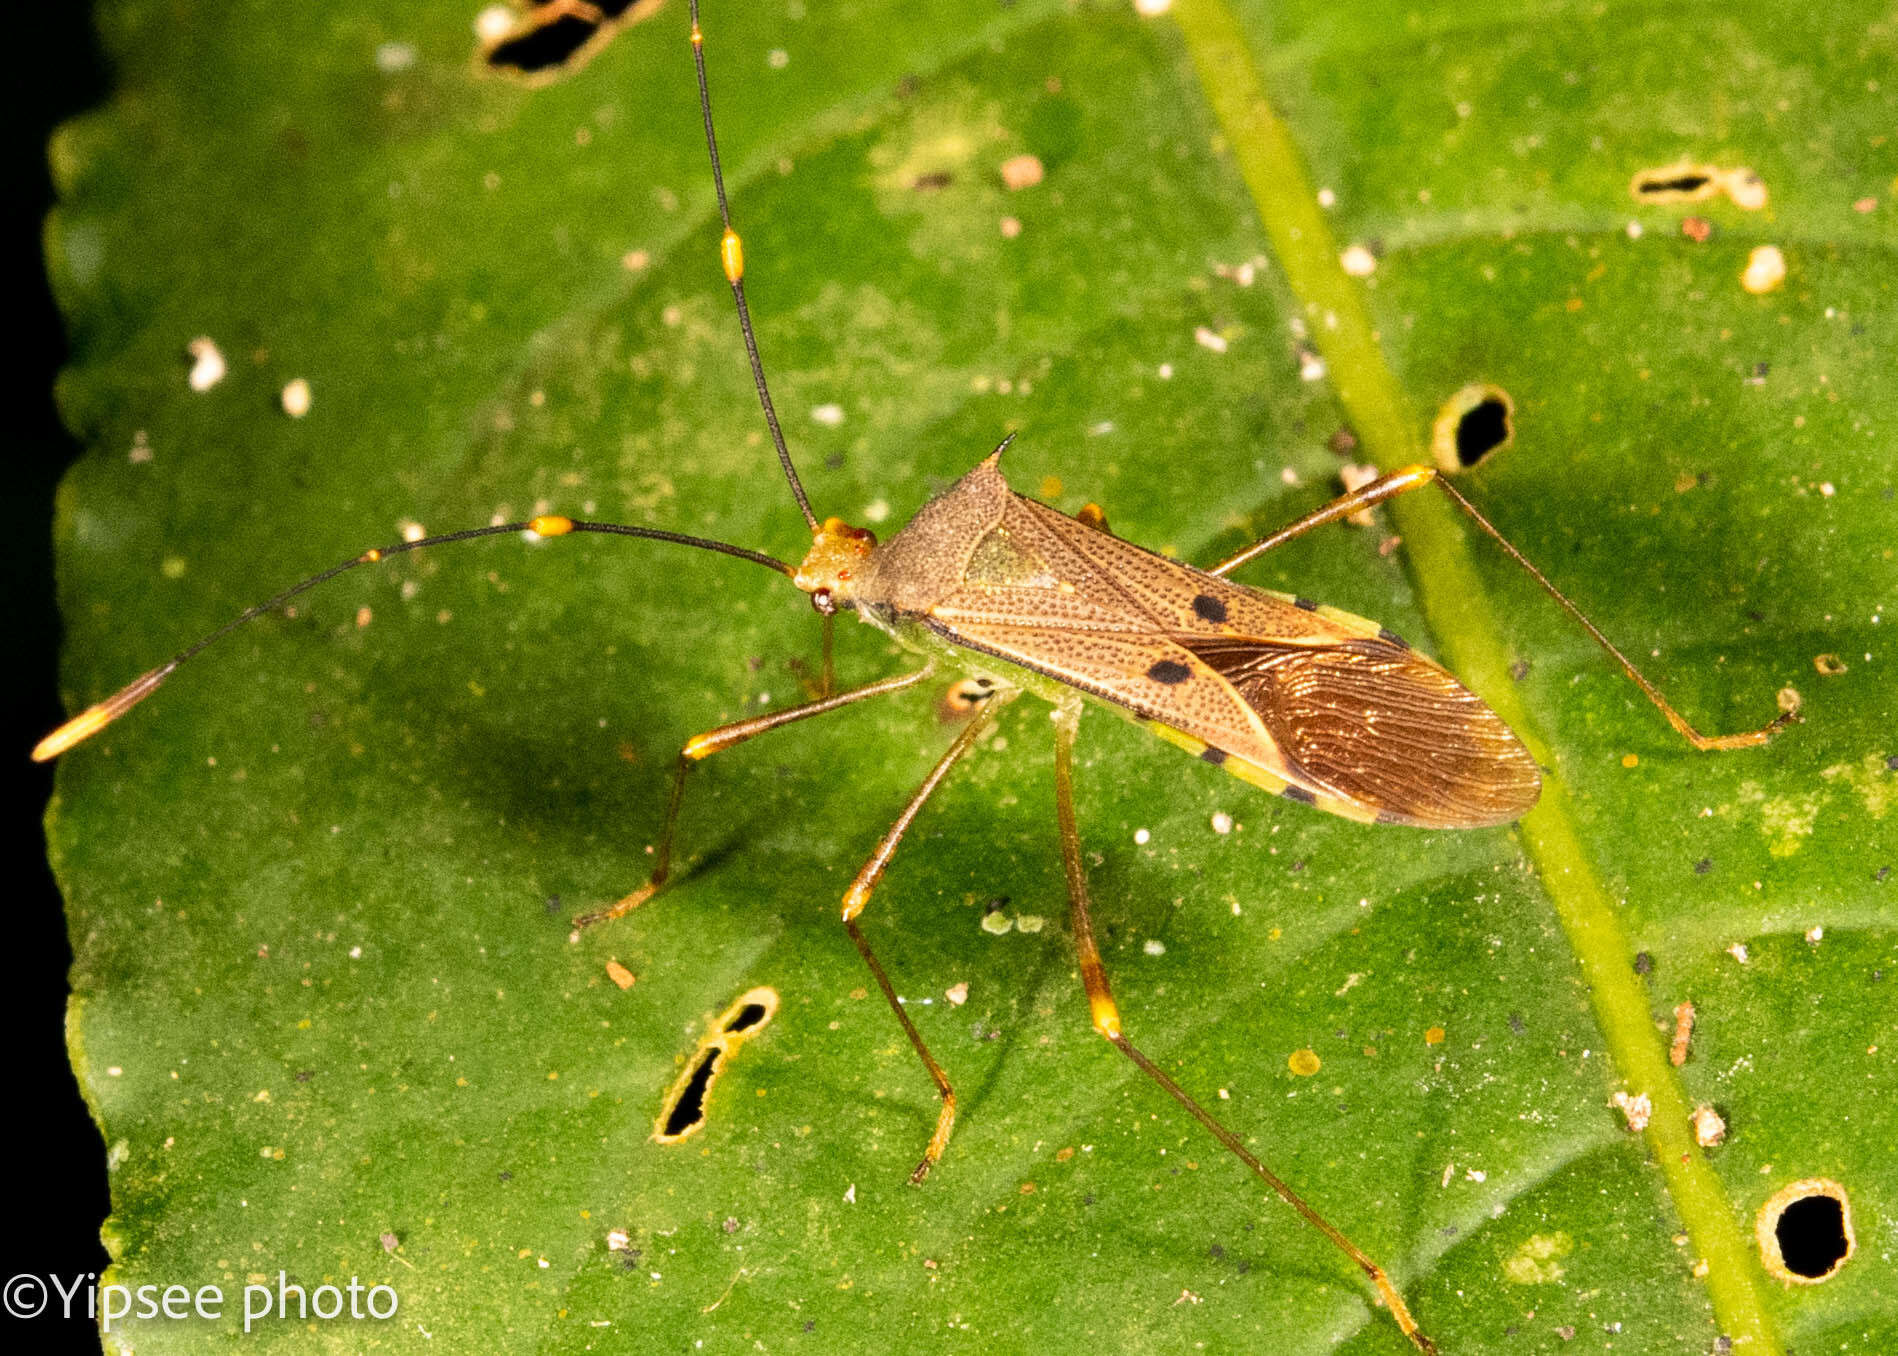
x=1301, y=700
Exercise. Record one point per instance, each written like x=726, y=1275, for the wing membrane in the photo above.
x=1372, y=721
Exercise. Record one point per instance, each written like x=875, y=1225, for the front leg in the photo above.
x=724, y=737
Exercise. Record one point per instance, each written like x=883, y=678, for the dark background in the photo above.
x=55, y=1159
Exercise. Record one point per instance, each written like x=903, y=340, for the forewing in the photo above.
x=1324, y=703
x=1148, y=674
x=1372, y=721
x=1167, y=595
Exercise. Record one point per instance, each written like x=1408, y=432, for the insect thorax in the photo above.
x=929, y=559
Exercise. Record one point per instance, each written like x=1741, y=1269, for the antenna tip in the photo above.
x=80, y=727
x=101, y=714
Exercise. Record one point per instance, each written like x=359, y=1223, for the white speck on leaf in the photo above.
x=296, y=398
x=1765, y=270
x=207, y=366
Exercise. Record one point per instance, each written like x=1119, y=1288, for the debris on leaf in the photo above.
x=1683, y=1033
x=1355, y=476
x=1638, y=1109
x=1021, y=171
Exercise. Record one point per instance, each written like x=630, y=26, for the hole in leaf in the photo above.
x=537, y=47
x=1805, y=1231
x=1688, y=182
x=687, y=1112
x=752, y=1014
x=1811, y=1234
x=556, y=37
x=1657, y=185
x=1481, y=431
x=1474, y=423
x=685, y=1105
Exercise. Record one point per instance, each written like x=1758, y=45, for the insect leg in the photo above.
x=724, y=737
x=820, y=681
x=1106, y=1017
x=1414, y=477
x=830, y=668
x=859, y=893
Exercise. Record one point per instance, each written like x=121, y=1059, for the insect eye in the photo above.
x=823, y=602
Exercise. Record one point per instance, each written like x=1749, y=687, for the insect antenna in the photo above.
x=732, y=254
x=101, y=714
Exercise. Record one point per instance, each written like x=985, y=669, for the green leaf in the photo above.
x=327, y=1006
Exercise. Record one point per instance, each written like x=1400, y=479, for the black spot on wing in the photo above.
x=1169, y=671
x=1392, y=638
x=1299, y=794
x=1213, y=756
x=1208, y=608
x=1305, y=603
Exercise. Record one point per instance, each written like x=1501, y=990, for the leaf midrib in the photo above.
x=1456, y=607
